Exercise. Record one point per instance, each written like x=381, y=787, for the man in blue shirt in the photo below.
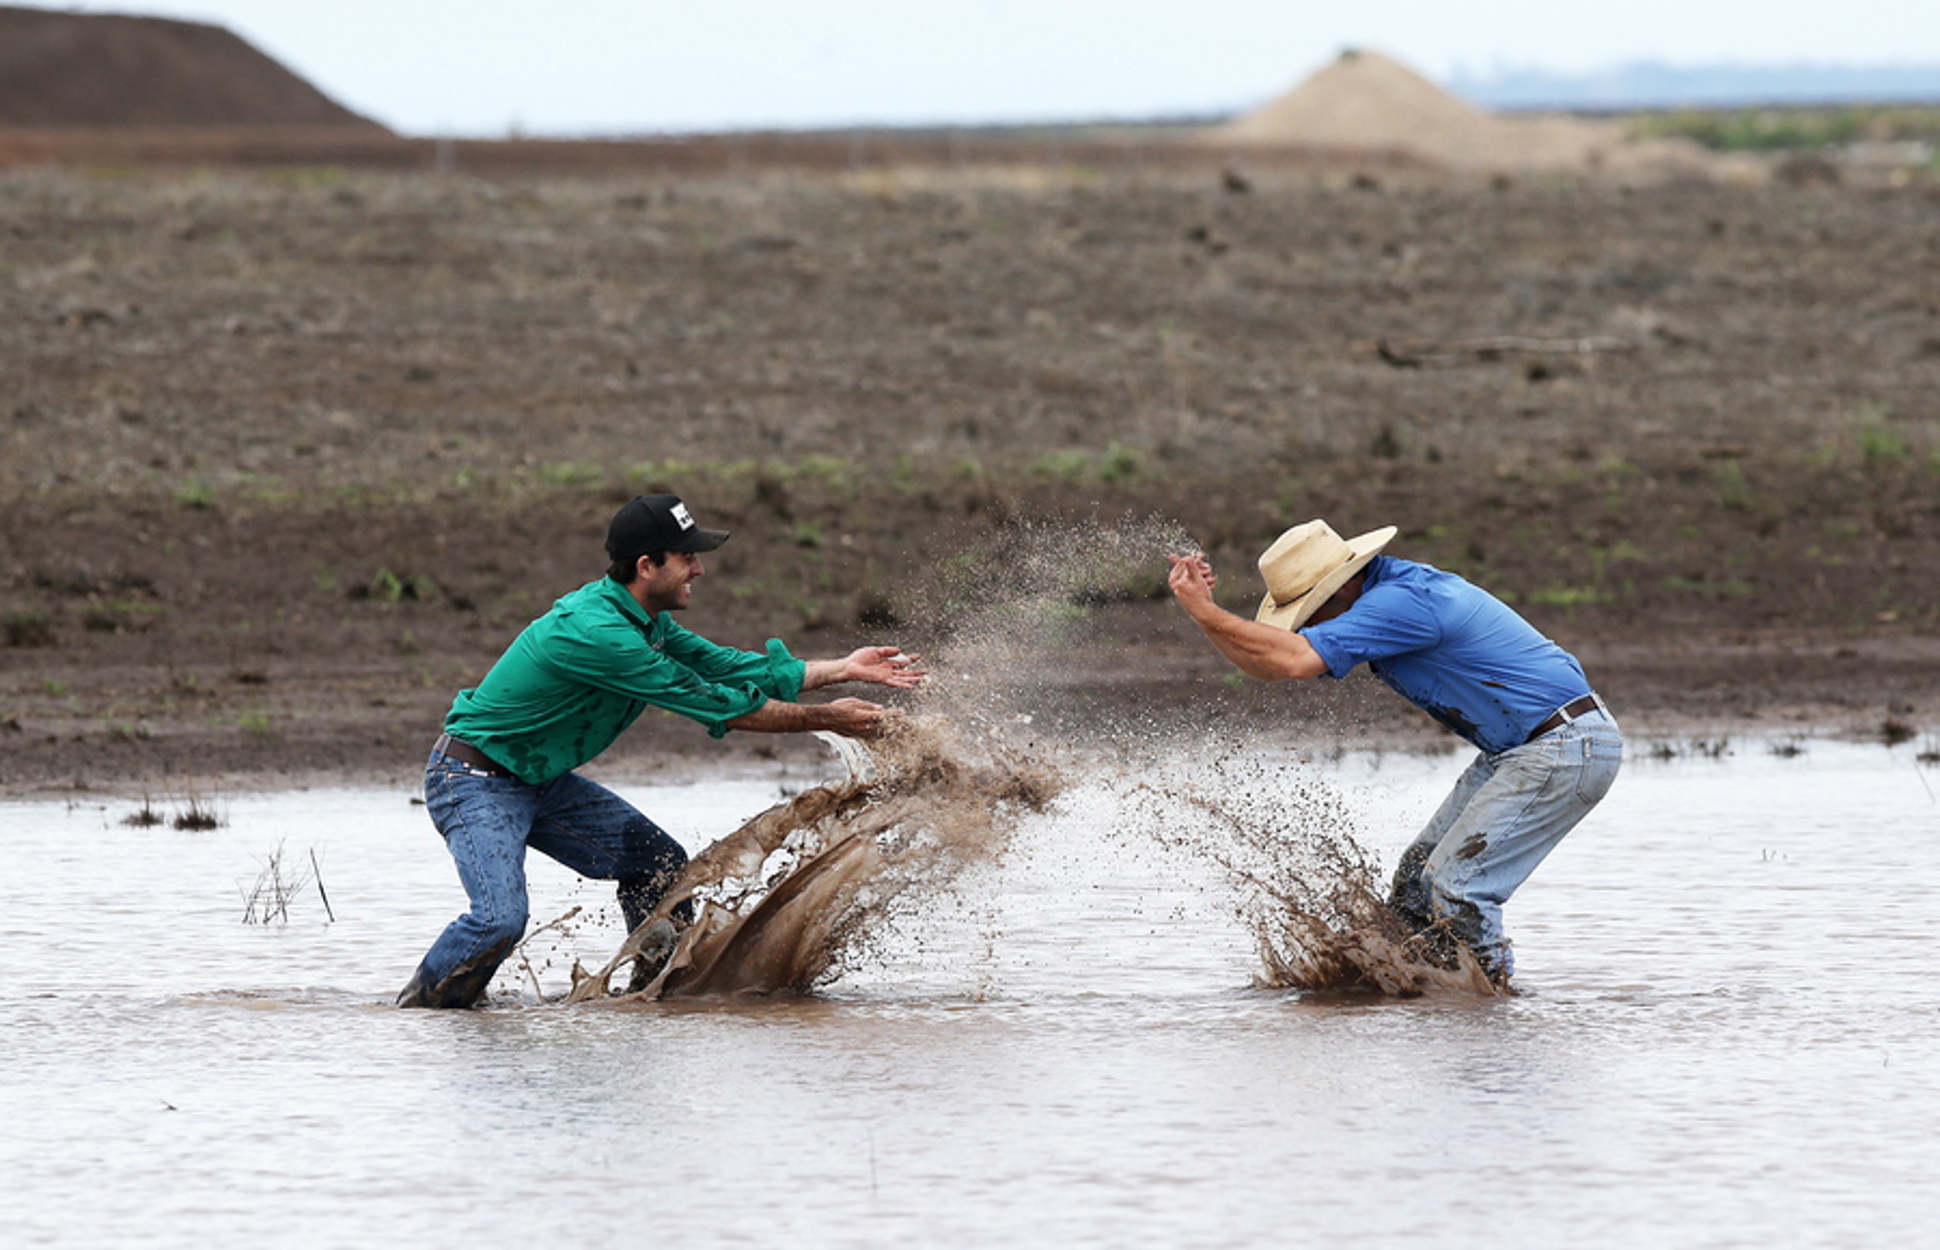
x=1549, y=748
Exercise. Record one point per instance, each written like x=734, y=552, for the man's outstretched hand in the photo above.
x=884, y=666
x=857, y=718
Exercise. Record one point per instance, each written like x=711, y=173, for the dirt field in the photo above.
x=289, y=455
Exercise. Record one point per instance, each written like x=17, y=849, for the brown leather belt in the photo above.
x=465, y=753
x=1565, y=714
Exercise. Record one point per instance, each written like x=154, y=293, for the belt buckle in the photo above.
x=1564, y=715
x=442, y=749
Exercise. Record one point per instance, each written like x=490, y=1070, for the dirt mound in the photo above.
x=72, y=69
x=1367, y=101
x=1364, y=100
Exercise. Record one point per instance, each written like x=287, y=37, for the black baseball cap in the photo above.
x=647, y=523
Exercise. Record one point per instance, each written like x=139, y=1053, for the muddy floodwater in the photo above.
x=1726, y=1038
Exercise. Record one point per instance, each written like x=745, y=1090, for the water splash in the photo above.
x=1013, y=618
x=784, y=898
x=1304, y=886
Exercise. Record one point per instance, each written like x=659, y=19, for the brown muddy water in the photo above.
x=1725, y=1035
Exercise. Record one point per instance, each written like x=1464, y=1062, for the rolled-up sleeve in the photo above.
x=774, y=672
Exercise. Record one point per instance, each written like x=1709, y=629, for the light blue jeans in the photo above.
x=1506, y=813
x=487, y=822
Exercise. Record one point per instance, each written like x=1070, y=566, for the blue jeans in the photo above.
x=487, y=822
x=1506, y=813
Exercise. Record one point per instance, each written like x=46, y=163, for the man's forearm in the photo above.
x=777, y=716
x=854, y=718
x=1258, y=650
x=819, y=673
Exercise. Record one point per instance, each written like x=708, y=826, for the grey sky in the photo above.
x=629, y=66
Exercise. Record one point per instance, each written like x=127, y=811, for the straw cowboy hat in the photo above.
x=1307, y=564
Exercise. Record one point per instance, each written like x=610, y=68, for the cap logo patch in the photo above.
x=680, y=514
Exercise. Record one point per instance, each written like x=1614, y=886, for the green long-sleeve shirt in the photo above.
x=574, y=679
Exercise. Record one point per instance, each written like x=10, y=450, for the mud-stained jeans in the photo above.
x=487, y=822
x=1506, y=813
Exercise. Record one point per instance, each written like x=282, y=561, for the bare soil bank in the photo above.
x=288, y=457
x=109, y=70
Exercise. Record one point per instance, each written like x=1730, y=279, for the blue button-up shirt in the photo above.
x=1453, y=650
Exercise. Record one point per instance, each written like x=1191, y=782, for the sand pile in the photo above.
x=1368, y=102
x=75, y=69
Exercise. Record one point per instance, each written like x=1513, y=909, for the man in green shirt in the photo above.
x=500, y=778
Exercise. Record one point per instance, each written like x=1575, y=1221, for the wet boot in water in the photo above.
x=656, y=944
x=638, y=897
x=464, y=986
